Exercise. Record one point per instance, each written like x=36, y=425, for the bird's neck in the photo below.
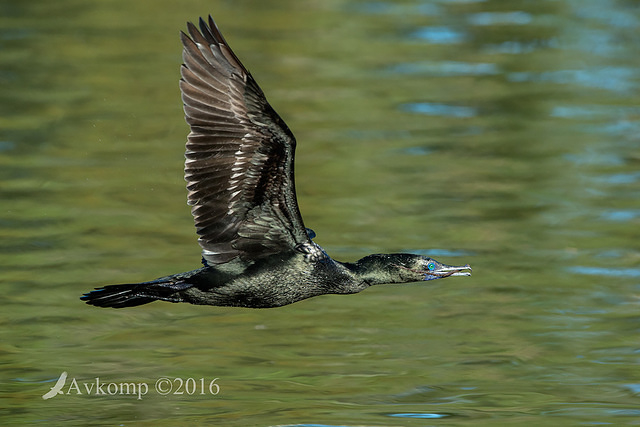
x=373, y=271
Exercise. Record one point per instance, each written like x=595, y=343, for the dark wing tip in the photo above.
x=208, y=33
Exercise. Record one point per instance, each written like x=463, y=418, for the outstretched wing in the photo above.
x=239, y=157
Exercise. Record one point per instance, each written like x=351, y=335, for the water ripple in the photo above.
x=316, y=425
x=608, y=15
x=620, y=178
x=605, y=271
x=392, y=8
x=621, y=215
x=595, y=157
x=616, y=79
x=620, y=127
x=512, y=47
x=634, y=388
x=445, y=68
x=439, y=35
x=419, y=415
x=593, y=111
x=435, y=109
x=7, y=145
x=417, y=151
x=500, y=18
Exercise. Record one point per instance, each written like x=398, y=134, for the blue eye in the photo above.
x=431, y=266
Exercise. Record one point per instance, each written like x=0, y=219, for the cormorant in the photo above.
x=256, y=251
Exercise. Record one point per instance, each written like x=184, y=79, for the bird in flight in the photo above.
x=256, y=251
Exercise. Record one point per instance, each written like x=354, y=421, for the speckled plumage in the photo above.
x=239, y=170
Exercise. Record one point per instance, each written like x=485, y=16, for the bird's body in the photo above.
x=239, y=170
x=273, y=281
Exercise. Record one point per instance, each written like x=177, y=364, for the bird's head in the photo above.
x=404, y=268
x=420, y=268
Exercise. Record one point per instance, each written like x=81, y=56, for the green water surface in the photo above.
x=501, y=134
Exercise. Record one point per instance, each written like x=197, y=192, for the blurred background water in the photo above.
x=503, y=134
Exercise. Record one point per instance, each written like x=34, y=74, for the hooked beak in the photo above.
x=450, y=270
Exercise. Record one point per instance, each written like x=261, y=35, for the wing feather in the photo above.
x=239, y=156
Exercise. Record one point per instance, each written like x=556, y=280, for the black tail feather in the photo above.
x=116, y=296
x=134, y=294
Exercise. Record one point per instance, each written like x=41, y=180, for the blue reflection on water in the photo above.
x=634, y=388
x=612, y=16
x=621, y=215
x=7, y=145
x=617, y=79
x=416, y=151
x=611, y=253
x=435, y=109
x=620, y=127
x=511, y=47
x=418, y=415
x=620, y=178
x=594, y=157
x=315, y=425
x=393, y=8
x=580, y=111
x=500, y=18
x=605, y=271
x=596, y=42
x=593, y=111
x=439, y=35
x=445, y=68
